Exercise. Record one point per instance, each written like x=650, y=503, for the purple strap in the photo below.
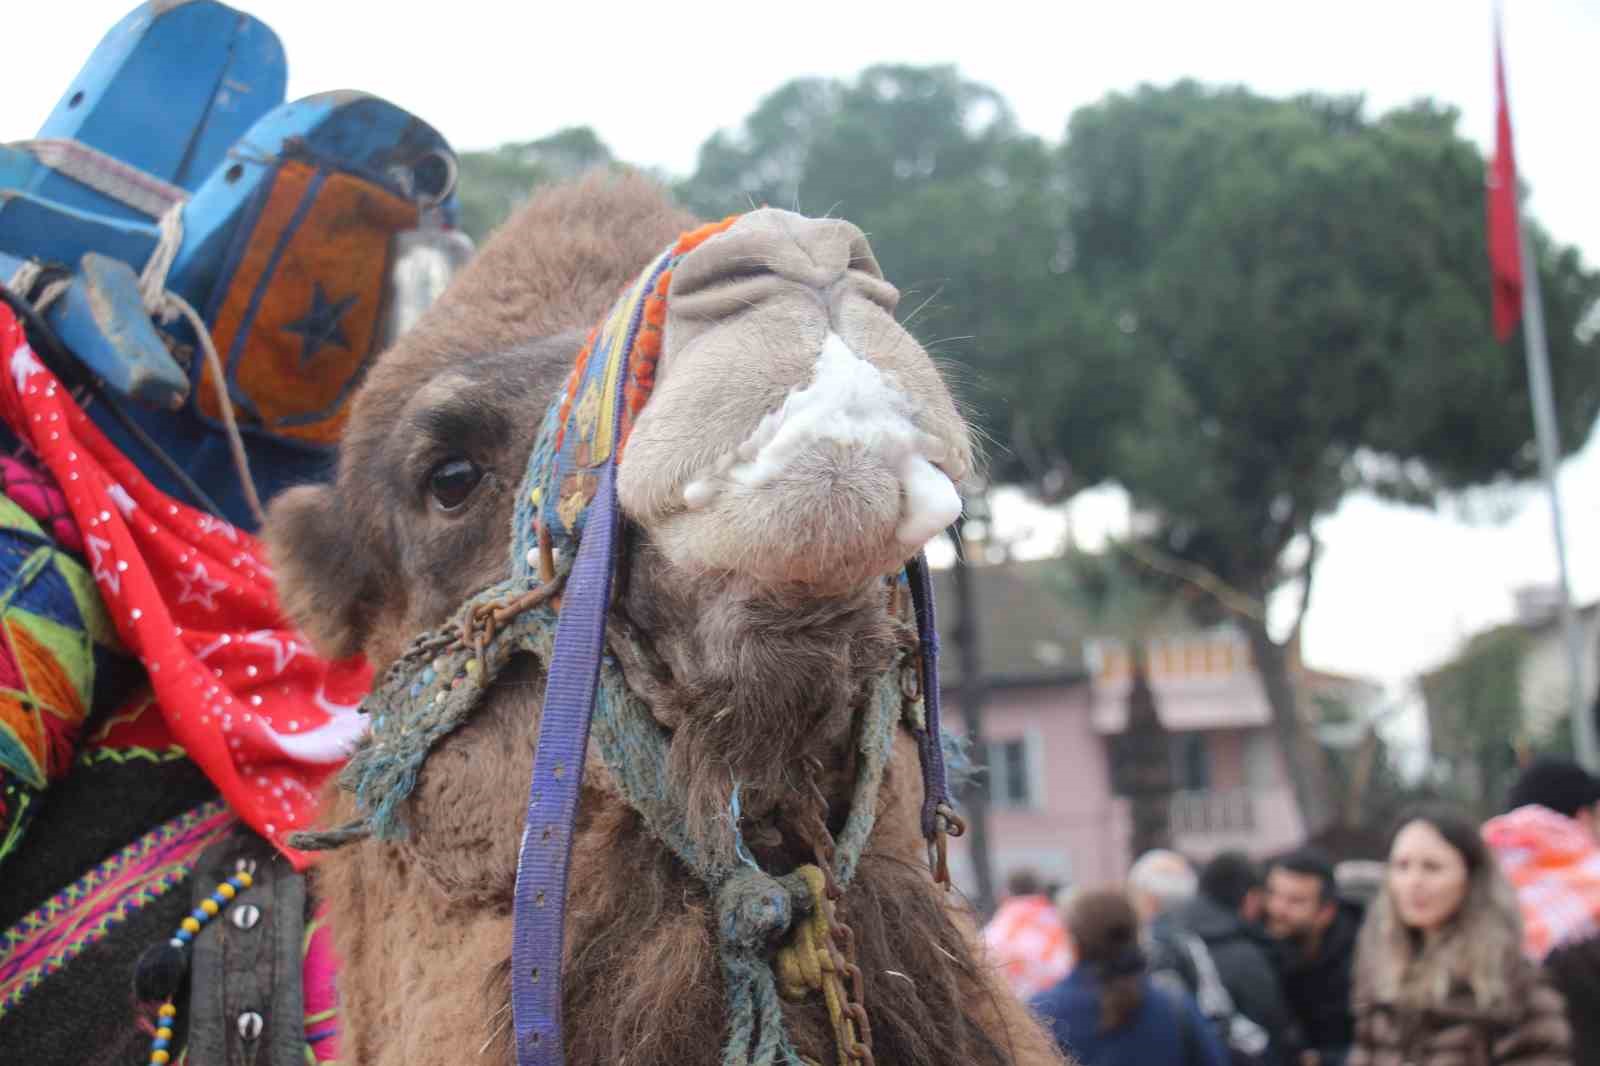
x=539, y=906
x=935, y=786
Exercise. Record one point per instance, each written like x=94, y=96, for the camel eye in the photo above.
x=452, y=481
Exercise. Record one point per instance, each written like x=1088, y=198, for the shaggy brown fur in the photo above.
x=749, y=679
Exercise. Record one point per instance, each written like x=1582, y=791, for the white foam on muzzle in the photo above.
x=931, y=501
x=847, y=402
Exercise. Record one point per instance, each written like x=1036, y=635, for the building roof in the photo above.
x=1189, y=706
x=1027, y=633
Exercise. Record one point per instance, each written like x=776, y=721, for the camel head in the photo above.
x=798, y=446
x=784, y=446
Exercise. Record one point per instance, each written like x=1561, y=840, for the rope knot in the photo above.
x=754, y=908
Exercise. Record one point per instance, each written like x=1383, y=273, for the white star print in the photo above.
x=221, y=642
x=103, y=574
x=120, y=497
x=24, y=366
x=283, y=650
x=199, y=588
x=212, y=524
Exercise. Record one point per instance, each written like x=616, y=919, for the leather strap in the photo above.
x=246, y=1002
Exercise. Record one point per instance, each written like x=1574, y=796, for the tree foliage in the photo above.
x=968, y=216
x=1306, y=291
x=494, y=182
x=1477, y=720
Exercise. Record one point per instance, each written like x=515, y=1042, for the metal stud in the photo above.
x=250, y=1025
x=245, y=916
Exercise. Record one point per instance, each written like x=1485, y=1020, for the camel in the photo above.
x=797, y=449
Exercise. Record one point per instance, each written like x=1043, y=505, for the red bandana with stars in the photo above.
x=238, y=687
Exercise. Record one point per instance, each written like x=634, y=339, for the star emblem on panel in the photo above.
x=319, y=326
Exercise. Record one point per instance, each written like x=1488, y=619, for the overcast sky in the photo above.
x=1398, y=588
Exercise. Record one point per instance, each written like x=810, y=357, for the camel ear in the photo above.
x=327, y=577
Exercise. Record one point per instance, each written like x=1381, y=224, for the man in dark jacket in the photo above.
x=1317, y=931
x=1222, y=916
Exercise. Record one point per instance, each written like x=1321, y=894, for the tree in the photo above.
x=1127, y=602
x=494, y=182
x=1301, y=294
x=1476, y=718
x=967, y=215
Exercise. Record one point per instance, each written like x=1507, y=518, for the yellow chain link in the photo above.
x=807, y=963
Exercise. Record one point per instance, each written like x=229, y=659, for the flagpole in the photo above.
x=1513, y=266
x=1544, y=422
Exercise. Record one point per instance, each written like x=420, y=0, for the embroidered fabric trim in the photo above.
x=171, y=753
x=61, y=928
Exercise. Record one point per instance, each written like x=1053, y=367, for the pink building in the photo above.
x=1055, y=698
x=1233, y=788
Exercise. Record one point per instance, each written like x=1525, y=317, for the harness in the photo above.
x=554, y=606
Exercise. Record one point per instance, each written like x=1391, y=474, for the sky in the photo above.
x=1398, y=588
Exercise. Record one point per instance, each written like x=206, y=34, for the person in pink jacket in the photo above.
x=1548, y=845
x=1026, y=938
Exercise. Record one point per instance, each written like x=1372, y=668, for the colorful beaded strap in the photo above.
x=162, y=968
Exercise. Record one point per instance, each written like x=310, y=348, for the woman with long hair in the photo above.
x=1440, y=978
x=1106, y=1012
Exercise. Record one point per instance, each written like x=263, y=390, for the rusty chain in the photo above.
x=855, y=1033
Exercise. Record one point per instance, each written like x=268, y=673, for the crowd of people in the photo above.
x=1480, y=946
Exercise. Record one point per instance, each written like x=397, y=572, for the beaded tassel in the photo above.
x=210, y=907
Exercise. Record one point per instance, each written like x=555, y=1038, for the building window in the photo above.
x=1191, y=762
x=1010, y=777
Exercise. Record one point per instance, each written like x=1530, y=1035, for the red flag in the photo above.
x=1505, y=252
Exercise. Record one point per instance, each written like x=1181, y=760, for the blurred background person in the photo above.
x=1316, y=931
x=1026, y=938
x=1440, y=976
x=1158, y=881
x=1216, y=932
x=1547, y=846
x=1107, y=1011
